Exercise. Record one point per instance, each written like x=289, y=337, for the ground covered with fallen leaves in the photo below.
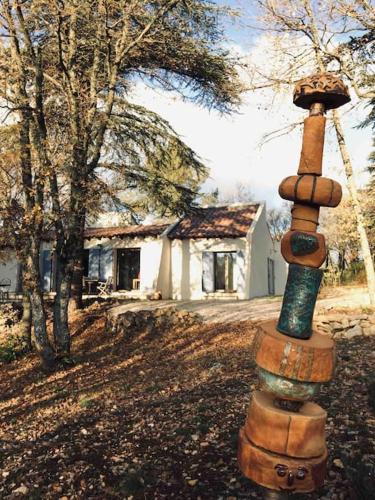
x=152, y=414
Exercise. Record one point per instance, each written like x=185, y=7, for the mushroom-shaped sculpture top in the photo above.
x=325, y=88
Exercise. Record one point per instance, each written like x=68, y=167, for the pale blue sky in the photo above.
x=230, y=145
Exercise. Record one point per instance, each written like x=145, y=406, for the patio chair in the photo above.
x=105, y=287
x=4, y=289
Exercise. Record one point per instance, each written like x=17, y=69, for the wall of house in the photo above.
x=176, y=267
x=10, y=270
x=154, y=260
x=187, y=265
x=261, y=248
x=281, y=269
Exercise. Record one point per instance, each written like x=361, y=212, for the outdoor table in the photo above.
x=91, y=283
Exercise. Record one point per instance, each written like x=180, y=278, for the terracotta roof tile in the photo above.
x=216, y=222
x=125, y=231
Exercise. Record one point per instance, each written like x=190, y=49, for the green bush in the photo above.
x=11, y=349
x=354, y=274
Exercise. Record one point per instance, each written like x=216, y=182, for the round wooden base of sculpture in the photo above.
x=309, y=360
x=279, y=472
x=295, y=434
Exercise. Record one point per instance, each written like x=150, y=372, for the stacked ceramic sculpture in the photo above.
x=282, y=444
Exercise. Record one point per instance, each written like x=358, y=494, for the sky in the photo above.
x=230, y=145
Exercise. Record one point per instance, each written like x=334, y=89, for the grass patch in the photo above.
x=85, y=402
x=153, y=388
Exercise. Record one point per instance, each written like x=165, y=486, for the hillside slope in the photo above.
x=155, y=414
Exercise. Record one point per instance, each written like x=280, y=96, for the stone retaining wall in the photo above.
x=345, y=325
x=156, y=320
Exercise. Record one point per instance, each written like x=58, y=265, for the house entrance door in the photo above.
x=224, y=266
x=128, y=268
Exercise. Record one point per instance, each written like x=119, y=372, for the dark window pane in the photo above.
x=220, y=271
x=128, y=268
x=229, y=272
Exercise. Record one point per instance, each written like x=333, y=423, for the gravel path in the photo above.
x=223, y=311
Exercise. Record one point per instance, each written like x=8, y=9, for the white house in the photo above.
x=217, y=252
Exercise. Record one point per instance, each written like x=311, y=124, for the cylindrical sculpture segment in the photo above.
x=304, y=217
x=282, y=444
x=295, y=434
x=312, y=146
x=300, y=295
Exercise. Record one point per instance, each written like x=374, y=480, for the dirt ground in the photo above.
x=258, y=309
x=156, y=415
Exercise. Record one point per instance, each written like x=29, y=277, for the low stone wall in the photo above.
x=152, y=320
x=345, y=325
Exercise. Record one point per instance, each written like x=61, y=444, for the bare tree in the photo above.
x=278, y=220
x=310, y=39
x=239, y=193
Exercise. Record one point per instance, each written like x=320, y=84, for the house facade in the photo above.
x=217, y=252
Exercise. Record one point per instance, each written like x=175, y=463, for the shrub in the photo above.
x=11, y=349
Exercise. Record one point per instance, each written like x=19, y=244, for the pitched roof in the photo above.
x=125, y=231
x=231, y=221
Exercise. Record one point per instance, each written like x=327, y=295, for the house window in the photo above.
x=224, y=271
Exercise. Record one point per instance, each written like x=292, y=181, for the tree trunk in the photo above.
x=77, y=288
x=68, y=297
x=25, y=323
x=357, y=209
x=33, y=283
x=61, y=333
x=77, y=255
x=42, y=344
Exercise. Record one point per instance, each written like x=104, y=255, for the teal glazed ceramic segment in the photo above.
x=300, y=295
x=303, y=243
x=287, y=388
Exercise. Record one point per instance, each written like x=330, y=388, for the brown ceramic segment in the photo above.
x=314, y=259
x=310, y=189
x=279, y=472
x=305, y=217
x=309, y=360
x=312, y=146
x=296, y=434
x=326, y=88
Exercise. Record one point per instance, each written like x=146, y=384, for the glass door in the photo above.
x=128, y=268
x=224, y=265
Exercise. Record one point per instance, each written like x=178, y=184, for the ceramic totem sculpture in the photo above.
x=282, y=444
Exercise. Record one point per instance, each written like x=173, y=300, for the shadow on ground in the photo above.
x=156, y=414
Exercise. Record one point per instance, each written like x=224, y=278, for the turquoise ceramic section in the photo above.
x=303, y=243
x=299, y=301
x=286, y=388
